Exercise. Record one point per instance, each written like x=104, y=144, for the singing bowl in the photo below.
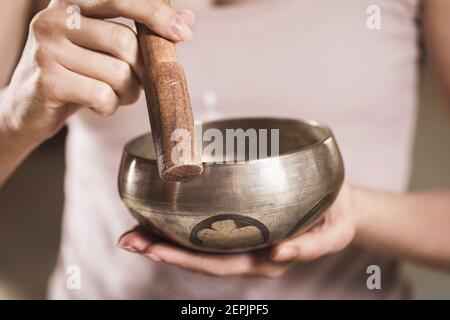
x=237, y=205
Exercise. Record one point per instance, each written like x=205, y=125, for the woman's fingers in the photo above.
x=105, y=68
x=212, y=264
x=159, y=17
x=139, y=241
x=92, y=93
x=111, y=38
x=107, y=51
x=114, y=39
x=135, y=240
x=255, y=263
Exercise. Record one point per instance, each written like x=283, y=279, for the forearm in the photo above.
x=413, y=226
x=13, y=149
x=14, y=19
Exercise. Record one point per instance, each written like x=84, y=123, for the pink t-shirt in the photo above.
x=313, y=59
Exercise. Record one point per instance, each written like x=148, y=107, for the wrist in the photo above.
x=359, y=202
x=13, y=137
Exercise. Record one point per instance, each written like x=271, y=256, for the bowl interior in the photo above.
x=277, y=136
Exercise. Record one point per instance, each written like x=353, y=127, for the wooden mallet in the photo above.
x=169, y=108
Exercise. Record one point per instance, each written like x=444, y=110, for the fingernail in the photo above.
x=188, y=17
x=129, y=249
x=136, y=247
x=154, y=257
x=181, y=29
x=122, y=245
x=286, y=253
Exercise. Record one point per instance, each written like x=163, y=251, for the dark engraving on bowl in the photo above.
x=315, y=211
x=229, y=231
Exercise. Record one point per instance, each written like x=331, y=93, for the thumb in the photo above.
x=322, y=240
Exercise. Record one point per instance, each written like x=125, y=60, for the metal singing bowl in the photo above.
x=238, y=206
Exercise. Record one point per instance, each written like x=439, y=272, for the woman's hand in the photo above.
x=96, y=66
x=332, y=234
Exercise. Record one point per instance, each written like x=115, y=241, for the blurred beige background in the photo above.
x=31, y=205
x=431, y=170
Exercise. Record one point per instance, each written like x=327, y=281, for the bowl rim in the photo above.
x=313, y=123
